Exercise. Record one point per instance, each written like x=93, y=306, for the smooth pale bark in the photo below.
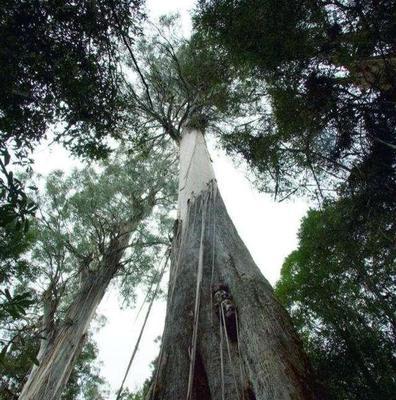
x=259, y=356
x=62, y=346
x=195, y=172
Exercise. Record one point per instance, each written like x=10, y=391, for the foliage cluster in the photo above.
x=328, y=74
x=59, y=64
x=339, y=287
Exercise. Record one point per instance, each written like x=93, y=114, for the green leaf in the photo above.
x=7, y=157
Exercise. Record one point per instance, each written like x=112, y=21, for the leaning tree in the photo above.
x=225, y=336
x=92, y=229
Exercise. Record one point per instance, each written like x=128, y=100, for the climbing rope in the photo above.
x=213, y=248
x=221, y=362
x=239, y=353
x=223, y=322
x=161, y=274
x=149, y=291
x=197, y=302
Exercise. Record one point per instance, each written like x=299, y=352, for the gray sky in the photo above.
x=268, y=229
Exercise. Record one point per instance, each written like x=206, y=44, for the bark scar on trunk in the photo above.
x=200, y=384
x=249, y=393
x=223, y=300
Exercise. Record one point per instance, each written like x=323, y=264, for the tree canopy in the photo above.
x=327, y=71
x=175, y=81
x=60, y=64
x=339, y=287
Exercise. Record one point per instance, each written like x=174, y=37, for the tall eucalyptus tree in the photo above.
x=225, y=334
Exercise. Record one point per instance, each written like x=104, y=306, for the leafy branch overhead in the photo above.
x=329, y=72
x=60, y=64
x=174, y=81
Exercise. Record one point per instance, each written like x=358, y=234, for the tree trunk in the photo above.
x=226, y=336
x=58, y=355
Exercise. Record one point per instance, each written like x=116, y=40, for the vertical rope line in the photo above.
x=147, y=294
x=183, y=227
x=143, y=326
x=221, y=361
x=151, y=392
x=229, y=351
x=181, y=230
x=197, y=303
x=239, y=353
x=213, y=252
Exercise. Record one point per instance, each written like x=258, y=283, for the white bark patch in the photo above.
x=196, y=170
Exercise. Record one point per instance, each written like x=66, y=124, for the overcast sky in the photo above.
x=268, y=229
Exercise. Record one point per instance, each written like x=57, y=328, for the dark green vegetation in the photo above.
x=339, y=287
x=59, y=71
x=59, y=63
x=327, y=71
x=84, y=381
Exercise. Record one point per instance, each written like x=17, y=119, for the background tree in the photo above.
x=327, y=71
x=21, y=331
x=84, y=380
x=89, y=221
x=339, y=286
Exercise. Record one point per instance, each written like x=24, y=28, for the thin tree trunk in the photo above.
x=226, y=336
x=58, y=355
